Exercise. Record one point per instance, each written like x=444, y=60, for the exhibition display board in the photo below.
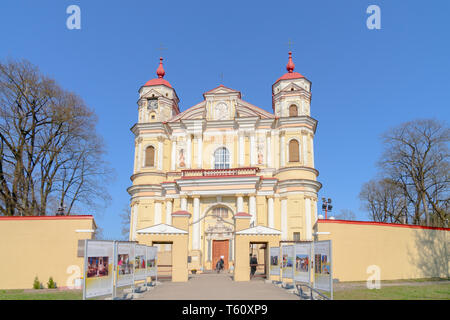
x=302, y=272
x=98, y=268
x=323, y=274
x=140, y=270
x=275, y=261
x=151, y=261
x=125, y=262
x=287, y=264
x=112, y=264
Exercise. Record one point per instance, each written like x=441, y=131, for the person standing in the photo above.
x=220, y=264
x=253, y=264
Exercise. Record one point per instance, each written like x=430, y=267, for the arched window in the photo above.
x=294, y=151
x=220, y=212
x=221, y=158
x=293, y=111
x=150, y=156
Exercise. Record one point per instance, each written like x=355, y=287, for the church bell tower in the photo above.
x=158, y=101
x=291, y=93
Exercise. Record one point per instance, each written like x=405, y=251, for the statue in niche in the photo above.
x=181, y=160
x=260, y=151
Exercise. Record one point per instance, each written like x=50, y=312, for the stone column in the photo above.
x=252, y=208
x=270, y=217
x=282, y=151
x=134, y=212
x=239, y=203
x=160, y=154
x=158, y=212
x=311, y=139
x=169, y=211
x=276, y=150
x=284, y=224
x=241, y=150
x=174, y=154
x=252, y=150
x=136, y=156
x=184, y=203
x=139, y=154
x=189, y=152
x=308, y=225
x=196, y=225
x=305, y=148
x=199, y=151
x=269, y=150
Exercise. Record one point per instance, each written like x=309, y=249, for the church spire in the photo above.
x=290, y=66
x=160, y=71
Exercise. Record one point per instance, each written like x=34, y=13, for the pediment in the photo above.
x=260, y=230
x=243, y=110
x=152, y=93
x=161, y=229
x=222, y=91
x=292, y=87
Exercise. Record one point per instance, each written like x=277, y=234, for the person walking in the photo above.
x=253, y=264
x=220, y=264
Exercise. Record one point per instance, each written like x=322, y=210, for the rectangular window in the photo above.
x=221, y=212
x=296, y=236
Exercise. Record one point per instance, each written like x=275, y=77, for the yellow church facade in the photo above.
x=221, y=164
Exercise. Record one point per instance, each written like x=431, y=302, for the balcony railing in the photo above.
x=219, y=172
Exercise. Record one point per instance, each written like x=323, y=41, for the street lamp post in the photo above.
x=326, y=206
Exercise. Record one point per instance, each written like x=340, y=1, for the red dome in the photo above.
x=159, y=81
x=290, y=68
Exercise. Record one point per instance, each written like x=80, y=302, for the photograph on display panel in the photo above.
x=125, y=263
x=151, y=261
x=302, y=261
x=322, y=265
x=274, y=261
x=98, y=265
x=287, y=263
x=140, y=269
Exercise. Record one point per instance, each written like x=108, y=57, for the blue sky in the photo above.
x=364, y=81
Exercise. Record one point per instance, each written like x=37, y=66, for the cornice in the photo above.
x=310, y=169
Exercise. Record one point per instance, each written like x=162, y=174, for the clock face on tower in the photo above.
x=152, y=104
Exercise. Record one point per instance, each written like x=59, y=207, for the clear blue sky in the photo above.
x=364, y=81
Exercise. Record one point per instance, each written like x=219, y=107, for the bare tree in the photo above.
x=415, y=167
x=126, y=218
x=384, y=201
x=417, y=157
x=48, y=145
x=346, y=214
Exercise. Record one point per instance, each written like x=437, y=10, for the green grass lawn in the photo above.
x=40, y=295
x=411, y=292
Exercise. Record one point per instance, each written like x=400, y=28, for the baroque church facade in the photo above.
x=222, y=160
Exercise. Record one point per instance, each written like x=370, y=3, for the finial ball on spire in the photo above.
x=160, y=71
x=290, y=66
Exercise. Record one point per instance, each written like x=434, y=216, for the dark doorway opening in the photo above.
x=258, y=267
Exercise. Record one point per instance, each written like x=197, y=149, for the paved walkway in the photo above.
x=217, y=287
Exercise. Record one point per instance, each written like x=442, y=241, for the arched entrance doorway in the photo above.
x=219, y=235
